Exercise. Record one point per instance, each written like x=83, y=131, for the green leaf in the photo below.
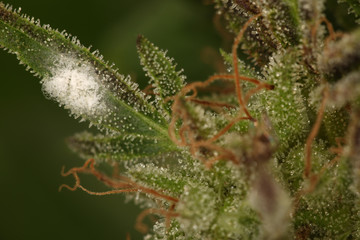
x=292, y=168
x=336, y=123
x=284, y=104
x=332, y=208
x=78, y=79
x=158, y=178
x=243, y=68
x=202, y=123
x=164, y=77
x=120, y=147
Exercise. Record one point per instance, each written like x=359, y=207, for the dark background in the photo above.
x=33, y=129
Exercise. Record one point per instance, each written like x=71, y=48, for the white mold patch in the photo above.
x=76, y=86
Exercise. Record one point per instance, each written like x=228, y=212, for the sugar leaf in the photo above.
x=159, y=178
x=78, y=79
x=166, y=80
x=120, y=147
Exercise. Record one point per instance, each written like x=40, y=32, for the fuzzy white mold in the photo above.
x=76, y=86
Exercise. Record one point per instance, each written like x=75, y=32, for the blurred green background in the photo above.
x=33, y=129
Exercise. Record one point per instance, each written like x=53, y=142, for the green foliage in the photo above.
x=120, y=147
x=279, y=159
x=167, y=82
x=108, y=99
x=332, y=202
x=353, y=7
x=285, y=104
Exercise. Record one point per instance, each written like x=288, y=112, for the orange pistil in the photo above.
x=212, y=104
x=121, y=184
x=186, y=133
x=314, y=178
x=256, y=89
x=149, y=89
x=329, y=26
x=226, y=128
x=235, y=65
x=313, y=133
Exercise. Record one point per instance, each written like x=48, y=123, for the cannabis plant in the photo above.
x=269, y=149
